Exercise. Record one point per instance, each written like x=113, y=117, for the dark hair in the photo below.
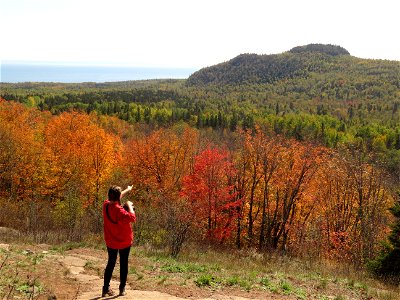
x=114, y=193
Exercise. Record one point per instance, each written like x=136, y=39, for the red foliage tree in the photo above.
x=210, y=193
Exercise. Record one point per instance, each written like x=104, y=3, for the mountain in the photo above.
x=321, y=48
x=299, y=62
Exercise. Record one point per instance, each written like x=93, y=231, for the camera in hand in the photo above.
x=126, y=207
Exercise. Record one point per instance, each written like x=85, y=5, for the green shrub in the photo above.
x=205, y=280
x=286, y=287
x=234, y=280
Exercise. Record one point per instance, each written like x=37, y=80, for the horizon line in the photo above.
x=90, y=64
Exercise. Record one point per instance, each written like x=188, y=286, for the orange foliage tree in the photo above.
x=276, y=183
x=21, y=160
x=80, y=158
x=256, y=162
x=355, y=199
x=156, y=165
x=290, y=196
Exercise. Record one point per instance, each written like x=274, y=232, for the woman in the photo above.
x=118, y=236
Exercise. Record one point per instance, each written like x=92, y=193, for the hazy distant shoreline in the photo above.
x=20, y=72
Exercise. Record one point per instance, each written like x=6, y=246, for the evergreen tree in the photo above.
x=388, y=262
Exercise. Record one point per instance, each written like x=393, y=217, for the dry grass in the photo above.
x=195, y=273
x=251, y=271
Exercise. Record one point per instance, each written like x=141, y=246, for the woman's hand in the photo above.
x=130, y=206
x=128, y=189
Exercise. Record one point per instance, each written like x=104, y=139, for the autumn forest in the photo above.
x=297, y=153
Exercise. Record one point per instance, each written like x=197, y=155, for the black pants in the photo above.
x=123, y=262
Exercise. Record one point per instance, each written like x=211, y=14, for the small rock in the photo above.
x=27, y=252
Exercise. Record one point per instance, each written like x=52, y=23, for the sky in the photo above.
x=191, y=33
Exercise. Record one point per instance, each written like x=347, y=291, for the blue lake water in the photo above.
x=68, y=73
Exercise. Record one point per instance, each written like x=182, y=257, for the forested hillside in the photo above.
x=297, y=152
x=307, y=62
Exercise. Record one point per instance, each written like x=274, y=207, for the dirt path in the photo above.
x=90, y=285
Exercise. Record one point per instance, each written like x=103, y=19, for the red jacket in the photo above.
x=118, y=232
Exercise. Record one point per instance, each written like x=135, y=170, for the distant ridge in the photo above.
x=301, y=61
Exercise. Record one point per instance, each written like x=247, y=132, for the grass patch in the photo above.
x=246, y=284
x=323, y=284
x=286, y=287
x=300, y=293
x=18, y=277
x=91, y=266
x=30, y=288
x=231, y=281
x=206, y=280
x=265, y=281
x=132, y=270
x=176, y=267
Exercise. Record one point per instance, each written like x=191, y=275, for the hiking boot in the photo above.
x=122, y=292
x=107, y=292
